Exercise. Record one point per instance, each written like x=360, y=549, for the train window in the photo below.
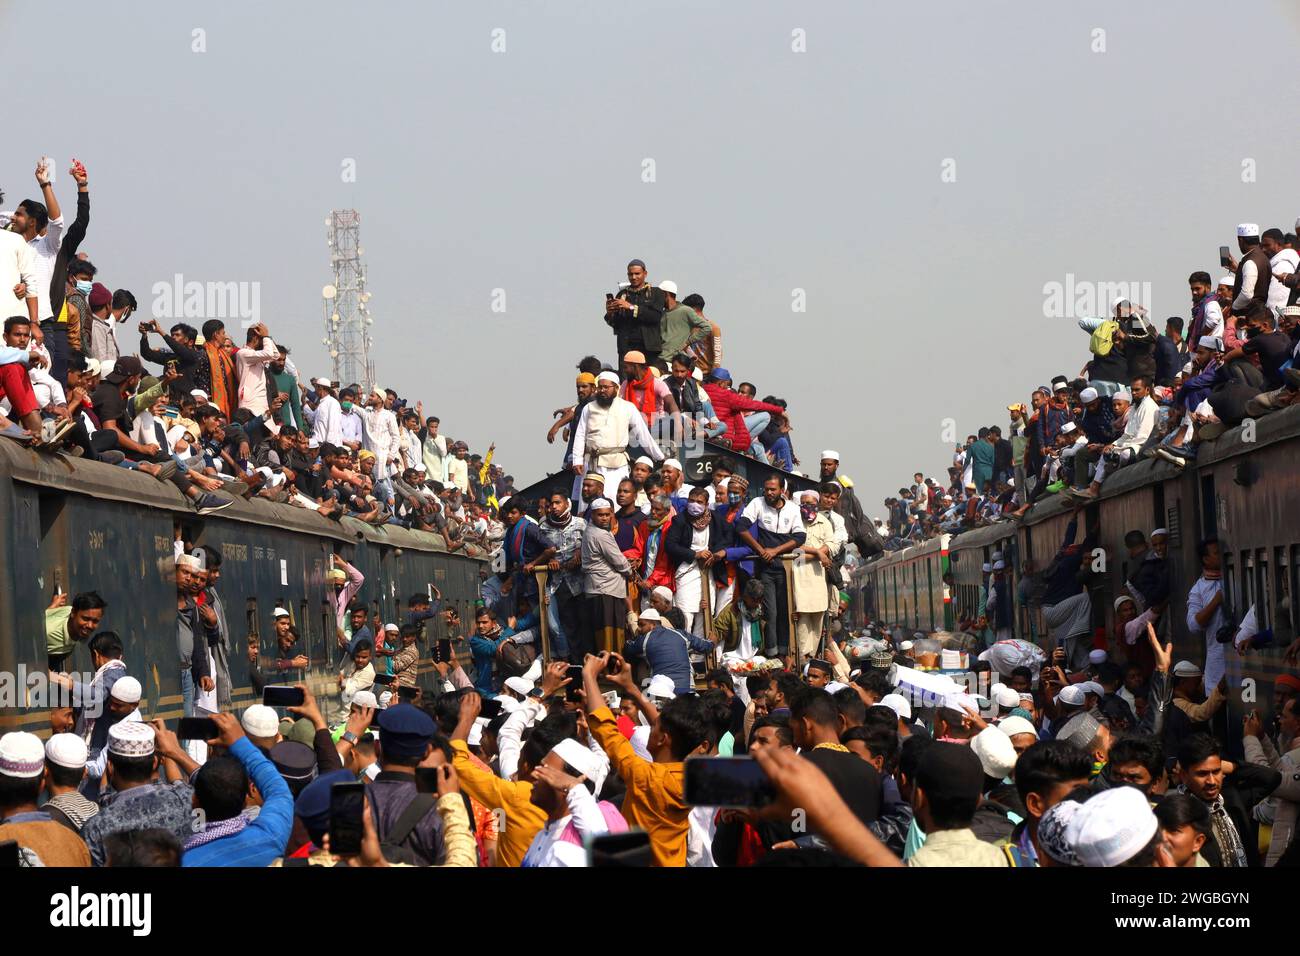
x=1285, y=629
x=1263, y=591
x=304, y=628
x=329, y=632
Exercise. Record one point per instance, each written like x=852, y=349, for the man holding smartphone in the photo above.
x=636, y=313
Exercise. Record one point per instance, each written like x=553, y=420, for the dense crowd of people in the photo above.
x=219, y=418
x=1142, y=393
x=636, y=637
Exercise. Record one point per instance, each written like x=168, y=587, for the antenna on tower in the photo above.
x=347, y=314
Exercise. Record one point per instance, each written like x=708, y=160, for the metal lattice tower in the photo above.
x=347, y=316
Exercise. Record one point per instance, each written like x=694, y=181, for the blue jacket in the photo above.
x=667, y=651
x=484, y=650
x=263, y=841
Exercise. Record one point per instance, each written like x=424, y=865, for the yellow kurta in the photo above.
x=655, y=801
x=522, y=818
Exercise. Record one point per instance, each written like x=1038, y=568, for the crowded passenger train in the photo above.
x=382, y=652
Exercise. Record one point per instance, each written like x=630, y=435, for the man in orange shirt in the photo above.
x=655, y=801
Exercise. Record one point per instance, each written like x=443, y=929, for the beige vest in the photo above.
x=607, y=433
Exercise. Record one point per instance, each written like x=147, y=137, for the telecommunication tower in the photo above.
x=347, y=315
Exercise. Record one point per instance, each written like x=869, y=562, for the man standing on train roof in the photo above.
x=861, y=531
x=635, y=315
x=1254, y=273
x=607, y=426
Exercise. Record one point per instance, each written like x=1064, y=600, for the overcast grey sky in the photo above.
x=775, y=170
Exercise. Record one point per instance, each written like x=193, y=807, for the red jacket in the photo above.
x=730, y=407
x=663, y=570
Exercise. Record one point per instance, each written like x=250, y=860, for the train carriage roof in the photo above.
x=112, y=483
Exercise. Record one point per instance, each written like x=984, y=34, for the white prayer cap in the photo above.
x=199, y=394
x=131, y=738
x=650, y=614
x=280, y=612
x=661, y=685
x=1091, y=687
x=1089, y=394
x=191, y=561
x=392, y=627
x=385, y=697
x=1016, y=724
x=1211, y=342
x=669, y=286
x=94, y=368
x=898, y=704
x=66, y=750
x=1068, y=428
x=583, y=759
x=986, y=568
x=260, y=721
x=520, y=686
x=1097, y=656
x=127, y=690
x=645, y=460
x=1186, y=669
x=607, y=377
x=1227, y=280
x=906, y=646
x=834, y=687
x=999, y=565
x=1124, y=395
x=1160, y=533
x=1112, y=827
x=1005, y=696
x=601, y=504
x=1123, y=598
x=1188, y=368
x=672, y=463
x=21, y=755
x=663, y=593
x=1248, y=230
x=830, y=455
x=365, y=698
x=323, y=383
x=997, y=755
x=376, y=390
x=1072, y=695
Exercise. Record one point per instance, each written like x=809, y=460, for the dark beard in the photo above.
x=604, y=402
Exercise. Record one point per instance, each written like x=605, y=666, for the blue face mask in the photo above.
x=84, y=287
x=734, y=497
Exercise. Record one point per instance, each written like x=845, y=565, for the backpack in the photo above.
x=1103, y=338
x=391, y=845
x=516, y=658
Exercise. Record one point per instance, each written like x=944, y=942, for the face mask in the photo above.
x=347, y=406
x=84, y=288
x=734, y=497
x=695, y=509
x=808, y=511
